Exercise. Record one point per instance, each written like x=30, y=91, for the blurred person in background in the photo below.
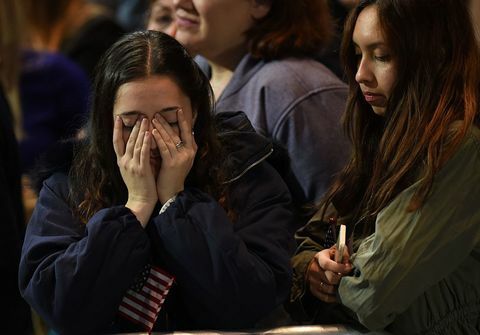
x=16, y=317
x=262, y=60
x=79, y=29
x=161, y=17
x=53, y=94
x=130, y=14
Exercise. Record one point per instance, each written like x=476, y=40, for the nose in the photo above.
x=172, y=29
x=364, y=74
x=184, y=4
x=177, y=3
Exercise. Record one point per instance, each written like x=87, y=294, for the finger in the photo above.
x=132, y=139
x=162, y=146
x=139, y=143
x=168, y=141
x=145, y=152
x=118, y=143
x=326, y=263
x=316, y=277
x=185, y=129
x=346, y=257
x=168, y=129
x=324, y=287
x=332, y=277
x=327, y=277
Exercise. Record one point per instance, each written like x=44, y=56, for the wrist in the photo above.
x=141, y=210
x=163, y=197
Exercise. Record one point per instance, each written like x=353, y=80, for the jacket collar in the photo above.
x=245, y=148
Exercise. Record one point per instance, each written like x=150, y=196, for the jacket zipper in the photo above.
x=248, y=168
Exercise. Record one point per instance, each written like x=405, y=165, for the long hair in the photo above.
x=95, y=180
x=437, y=59
x=291, y=28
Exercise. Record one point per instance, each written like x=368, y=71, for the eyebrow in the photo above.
x=163, y=110
x=371, y=46
x=162, y=7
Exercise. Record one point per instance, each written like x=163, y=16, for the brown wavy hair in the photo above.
x=95, y=180
x=291, y=28
x=437, y=59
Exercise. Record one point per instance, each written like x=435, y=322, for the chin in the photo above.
x=380, y=111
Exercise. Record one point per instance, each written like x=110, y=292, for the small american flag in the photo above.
x=143, y=301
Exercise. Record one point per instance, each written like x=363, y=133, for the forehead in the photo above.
x=149, y=95
x=367, y=30
x=156, y=87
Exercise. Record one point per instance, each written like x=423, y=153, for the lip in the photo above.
x=185, y=22
x=375, y=99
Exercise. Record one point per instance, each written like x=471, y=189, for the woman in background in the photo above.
x=261, y=60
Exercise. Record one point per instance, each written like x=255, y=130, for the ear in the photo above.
x=260, y=8
x=194, y=118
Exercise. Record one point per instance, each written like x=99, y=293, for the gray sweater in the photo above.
x=297, y=103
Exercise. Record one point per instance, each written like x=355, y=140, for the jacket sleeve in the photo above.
x=75, y=275
x=311, y=131
x=301, y=305
x=229, y=274
x=411, y=251
x=315, y=236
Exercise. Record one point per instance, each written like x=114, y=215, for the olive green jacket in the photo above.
x=419, y=273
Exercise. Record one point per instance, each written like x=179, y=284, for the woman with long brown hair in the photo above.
x=409, y=195
x=159, y=191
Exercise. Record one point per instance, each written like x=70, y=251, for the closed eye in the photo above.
x=383, y=58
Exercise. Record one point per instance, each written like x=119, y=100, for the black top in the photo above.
x=16, y=317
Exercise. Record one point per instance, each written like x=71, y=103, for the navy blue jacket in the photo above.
x=228, y=274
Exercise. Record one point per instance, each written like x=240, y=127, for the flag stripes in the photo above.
x=142, y=303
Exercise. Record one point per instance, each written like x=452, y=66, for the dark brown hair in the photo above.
x=437, y=59
x=291, y=28
x=95, y=180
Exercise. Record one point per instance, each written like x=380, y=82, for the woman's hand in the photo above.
x=177, y=154
x=324, y=274
x=133, y=159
